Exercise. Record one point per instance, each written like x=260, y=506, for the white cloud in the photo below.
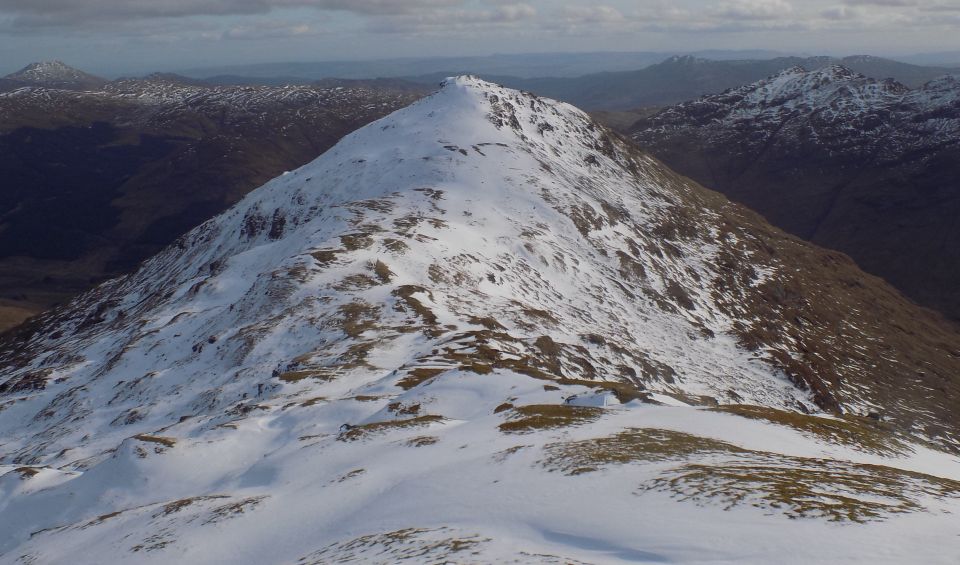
x=72, y=12
x=753, y=9
x=839, y=13
x=941, y=7
x=453, y=21
x=269, y=29
x=371, y=7
x=899, y=3
x=591, y=14
x=482, y=20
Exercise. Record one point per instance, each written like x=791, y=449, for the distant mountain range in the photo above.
x=104, y=174
x=629, y=80
x=942, y=58
x=519, y=65
x=683, y=78
x=849, y=162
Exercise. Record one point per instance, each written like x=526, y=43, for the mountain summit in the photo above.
x=56, y=74
x=482, y=329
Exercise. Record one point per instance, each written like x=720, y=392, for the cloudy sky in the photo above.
x=114, y=36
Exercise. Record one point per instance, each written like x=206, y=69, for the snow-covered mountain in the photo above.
x=863, y=166
x=55, y=74
x=819, y=106
x=482, y=330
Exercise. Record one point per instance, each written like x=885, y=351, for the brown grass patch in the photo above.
x=297, y=376
x=730, y=476
x=355, y=282
x=366, y=430
x=27, y=472
x=411, y=545
x=313, y=401
x=164, y=441
x=325, y=257
x=535, y=417
x=422, y=441
x=356, y=241
x=488, y=322
x=860, y=433
x=807, y=488
x=419, y=375
x=233, y=510
x=383, y=272
x=630, y=446
x=396, y=246
x=358, y=317
x=406, y=292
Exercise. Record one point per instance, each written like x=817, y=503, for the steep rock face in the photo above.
x=95, y=182
x=863, y=166
x=479, y=269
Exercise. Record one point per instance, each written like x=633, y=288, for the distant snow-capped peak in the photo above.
x=49, y=72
